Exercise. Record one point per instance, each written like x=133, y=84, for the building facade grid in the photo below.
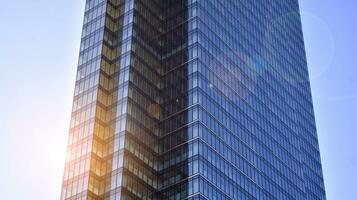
x=193, y=99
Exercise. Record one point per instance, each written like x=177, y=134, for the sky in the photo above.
x=39, y=45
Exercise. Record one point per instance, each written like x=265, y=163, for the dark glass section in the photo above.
x=192, y=99
x=174, y=123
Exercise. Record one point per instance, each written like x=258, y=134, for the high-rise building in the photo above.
x=192, y=99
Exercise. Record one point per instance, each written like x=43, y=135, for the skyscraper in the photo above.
x=192, y=99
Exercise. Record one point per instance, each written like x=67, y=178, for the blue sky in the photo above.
x=39, y=42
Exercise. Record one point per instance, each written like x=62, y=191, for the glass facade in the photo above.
x=192, y=99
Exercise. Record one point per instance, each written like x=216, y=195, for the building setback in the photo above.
x=192, y=99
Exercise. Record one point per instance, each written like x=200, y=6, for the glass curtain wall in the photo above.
x=192, y=99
